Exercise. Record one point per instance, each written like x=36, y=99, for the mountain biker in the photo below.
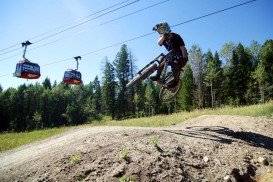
x=177, y=58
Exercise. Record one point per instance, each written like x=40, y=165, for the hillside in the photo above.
x=207, y=148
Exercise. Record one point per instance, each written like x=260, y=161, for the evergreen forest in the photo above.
x=236, y=75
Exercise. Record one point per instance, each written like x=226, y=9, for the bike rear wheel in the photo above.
x=167, y=94
x=142, y=75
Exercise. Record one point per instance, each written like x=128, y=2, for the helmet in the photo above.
x=162, y=28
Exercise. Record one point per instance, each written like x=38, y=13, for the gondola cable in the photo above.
x=153, y=5
x=147, y=34
x=71, y=27
x=144, y=35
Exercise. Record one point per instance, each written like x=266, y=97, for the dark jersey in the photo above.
x=174, y=43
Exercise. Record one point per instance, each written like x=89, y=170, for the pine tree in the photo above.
x=218, y=81
x=185, y=97
x=97, y=101
x=246, y=68
x=74, y=113
x=30, y=105
x=254, y=50
x=130, y=76
x=227, y=52
x=150, y=98
x=122, y=68
x=60, y=100
x=47, y=83
x=266, y=57
x=238, y=76
x=109, y=89
x=197, y=65
x=54, y=84
x=213, y=77
x=231, y=73
x=253, y=92
x=75, y=108
x=89, y=106
x=18, y=122
x=46, y=105
x=139, y=99
x=260, y=76
x=207, y=89
x=5, y=110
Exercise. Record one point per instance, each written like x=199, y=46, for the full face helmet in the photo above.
x=162, y=28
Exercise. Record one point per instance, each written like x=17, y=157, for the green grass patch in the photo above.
x=124, y=153
x=154, y=141
x=167, y=120
x=126, y=178
x=75, y=158
x=13, y=140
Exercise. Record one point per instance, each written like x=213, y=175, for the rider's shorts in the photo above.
x=175, y=58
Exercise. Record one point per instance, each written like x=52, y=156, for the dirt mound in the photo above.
x=208, y=148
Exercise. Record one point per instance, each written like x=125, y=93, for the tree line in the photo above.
x=236, y=75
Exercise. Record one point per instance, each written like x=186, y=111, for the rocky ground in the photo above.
x=208, y=148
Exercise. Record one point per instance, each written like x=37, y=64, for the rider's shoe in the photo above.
x=173, y=84
x=155, y=78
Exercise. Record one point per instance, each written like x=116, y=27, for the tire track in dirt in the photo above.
x=207, y=148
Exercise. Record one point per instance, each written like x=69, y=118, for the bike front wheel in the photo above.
x=168, y=94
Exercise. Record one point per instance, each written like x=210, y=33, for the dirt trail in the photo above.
x=208, y=148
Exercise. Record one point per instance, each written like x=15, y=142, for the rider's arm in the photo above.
x=161, y=40
x=184, y=51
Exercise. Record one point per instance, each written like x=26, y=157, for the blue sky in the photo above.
x=21, y=20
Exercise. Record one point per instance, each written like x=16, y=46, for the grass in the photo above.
x=124, y=153
x=75, y=158
x=154, y=141
x=12, y=140
x=127, y=178
x=167, y=120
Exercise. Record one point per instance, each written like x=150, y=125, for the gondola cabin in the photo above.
x=72, y=77
x=27, y=70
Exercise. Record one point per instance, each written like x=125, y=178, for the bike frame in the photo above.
x=166, y=94
x=163, y=62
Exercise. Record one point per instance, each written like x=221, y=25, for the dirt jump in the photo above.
x=204, y=149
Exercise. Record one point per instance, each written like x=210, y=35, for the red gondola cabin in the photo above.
x=72, y=77
x=27, y=69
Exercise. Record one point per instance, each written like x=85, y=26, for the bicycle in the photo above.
x=166, y=93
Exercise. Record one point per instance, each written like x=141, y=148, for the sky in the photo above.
x=102, y=36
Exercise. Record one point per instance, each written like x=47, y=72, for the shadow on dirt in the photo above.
x=226, y=135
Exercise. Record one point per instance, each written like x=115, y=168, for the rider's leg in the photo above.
x=176, y=69
x=158, y=73
x=176, y=74
x=183, y=62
